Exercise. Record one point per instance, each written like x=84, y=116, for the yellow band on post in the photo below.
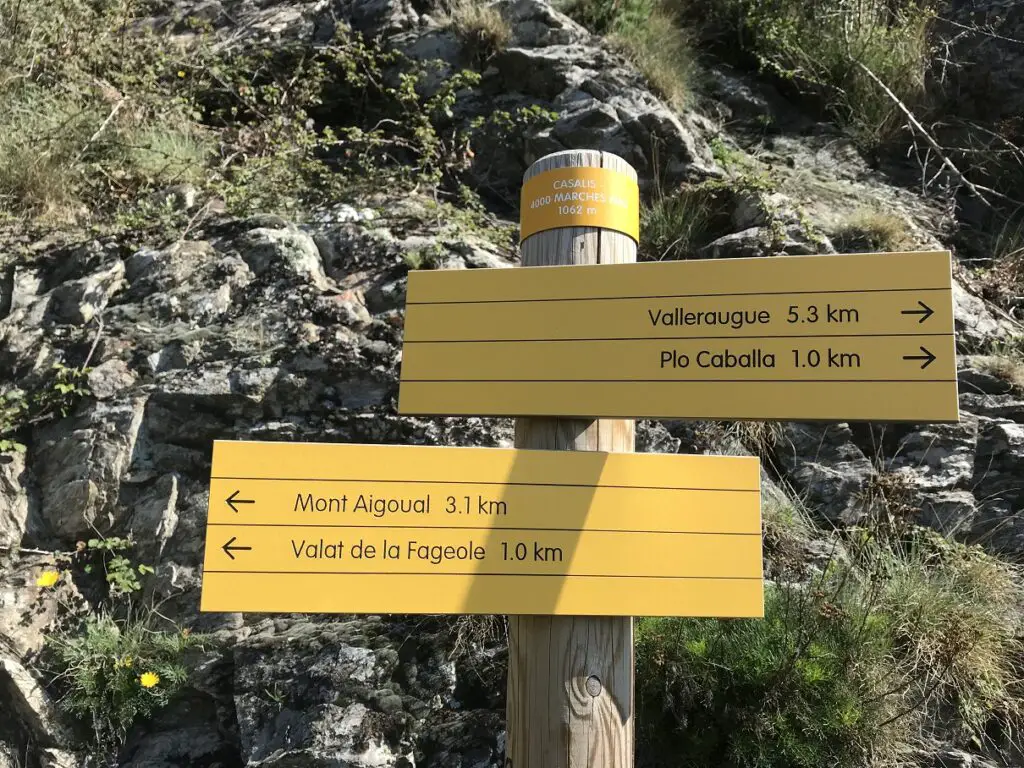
x=580, y=197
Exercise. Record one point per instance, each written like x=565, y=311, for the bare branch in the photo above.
x=975, y=189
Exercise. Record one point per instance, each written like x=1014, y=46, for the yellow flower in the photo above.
x=181, y=73
x=48, y=579
x=149, y=679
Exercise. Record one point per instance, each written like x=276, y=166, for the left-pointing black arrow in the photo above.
x=233, y=499
x=928, y=357
x=228, y=549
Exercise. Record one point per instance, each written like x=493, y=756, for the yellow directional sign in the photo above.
x=803, y=338
x=334, y=528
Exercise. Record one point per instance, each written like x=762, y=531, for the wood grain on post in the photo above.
x=570, y=680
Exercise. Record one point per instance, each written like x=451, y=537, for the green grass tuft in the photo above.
x=677, y=224
x=647, y=33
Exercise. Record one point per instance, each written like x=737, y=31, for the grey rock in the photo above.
x=31, y=704
x=750, y=243
x=998, y=484
x=155, y=515
x=59, y=758
x=938, y=456
x=26, y=286
x=971, y=380
x=994, y=406
x=653, y=437
x=951, y=512
x=80, y=301
x=25, y=619
x=79, y=463
x=535, y=24
x=346, y=312
x=955, y=758
x=292, y=249
x=110, y=378
x=14, y=503
x=602, y=104
x=827, y=469
x=974, y=324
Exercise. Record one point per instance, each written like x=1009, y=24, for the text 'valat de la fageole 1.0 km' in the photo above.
x=344, y=528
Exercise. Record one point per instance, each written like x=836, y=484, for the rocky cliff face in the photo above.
x=263, y=329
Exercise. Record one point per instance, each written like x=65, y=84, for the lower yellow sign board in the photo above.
x=342, y=528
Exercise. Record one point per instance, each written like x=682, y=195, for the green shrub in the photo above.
x=106, y=669
x=52, y=398
x=1009, y=368
x=663, y=53
x=819, y=46
x=108, y=114
x=952, y=615
x=793, y=690
x=862, y=660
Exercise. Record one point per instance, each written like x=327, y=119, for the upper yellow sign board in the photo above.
x=331, y=528
x=865, y=337
x=580, y=197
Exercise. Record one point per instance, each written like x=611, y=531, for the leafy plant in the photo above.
x=114, y=673
x=121, y=574
x=648, y=34
x=55, y=397
x=107, y=118
x=677, y=224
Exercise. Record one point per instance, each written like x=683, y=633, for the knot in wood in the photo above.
x=594, y=685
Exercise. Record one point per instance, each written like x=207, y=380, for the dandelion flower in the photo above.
x=181, y=73
x=149, y=679
x=48, y=579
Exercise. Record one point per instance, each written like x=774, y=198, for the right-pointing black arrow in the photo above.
x=925, y=311
x=233, y=499
x=228, y=549
x=928, y=357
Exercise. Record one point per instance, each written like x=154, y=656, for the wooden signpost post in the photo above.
x=570, y=679
x=569, y=533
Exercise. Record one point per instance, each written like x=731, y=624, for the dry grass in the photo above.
x=662, y=51
x=481, y=28
x=1009, y=368
x=872, y=230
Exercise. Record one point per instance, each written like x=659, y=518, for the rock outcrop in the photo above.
x=265, y=330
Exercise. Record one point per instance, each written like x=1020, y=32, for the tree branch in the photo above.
x=975, y=189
